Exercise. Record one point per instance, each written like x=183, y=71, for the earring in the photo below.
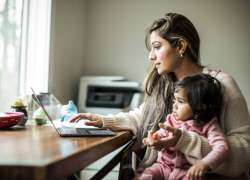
x=196, y=116
x=181, y=55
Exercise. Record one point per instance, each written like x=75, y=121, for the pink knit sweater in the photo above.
x=234, y=121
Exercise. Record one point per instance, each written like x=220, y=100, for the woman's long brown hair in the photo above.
x=158, y=99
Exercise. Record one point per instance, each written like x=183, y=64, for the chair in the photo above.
x=133, y=147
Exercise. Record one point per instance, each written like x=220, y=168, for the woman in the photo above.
x=175, y=53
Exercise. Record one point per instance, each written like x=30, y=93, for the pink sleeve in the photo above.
x=219, y=143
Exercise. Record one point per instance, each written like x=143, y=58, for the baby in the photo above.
x=197, y=104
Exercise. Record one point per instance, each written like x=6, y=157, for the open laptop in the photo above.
x=76, y=131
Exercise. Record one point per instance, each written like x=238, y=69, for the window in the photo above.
x=10, y=36
x=24, y=48
x=34, y=69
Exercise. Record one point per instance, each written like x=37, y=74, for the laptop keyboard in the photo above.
x=82, y=131
x=73, y=131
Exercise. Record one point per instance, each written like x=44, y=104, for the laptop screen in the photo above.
x=41, y=104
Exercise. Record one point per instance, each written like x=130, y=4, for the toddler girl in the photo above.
x=197, y=103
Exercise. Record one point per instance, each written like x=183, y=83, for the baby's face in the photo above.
x=181, y=109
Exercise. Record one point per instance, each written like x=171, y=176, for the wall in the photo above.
x=67, y=48
x=115, y=34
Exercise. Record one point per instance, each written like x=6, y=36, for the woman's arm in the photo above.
x=124, y=121
x=219, y=144
x=121, y=121
x=235, y=122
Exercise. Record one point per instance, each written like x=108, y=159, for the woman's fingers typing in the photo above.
x=93, y=120
x=75, y=119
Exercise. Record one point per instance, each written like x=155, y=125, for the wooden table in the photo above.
x=34, y=152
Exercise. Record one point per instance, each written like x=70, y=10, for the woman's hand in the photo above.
x=94, y=120
x=167, y=142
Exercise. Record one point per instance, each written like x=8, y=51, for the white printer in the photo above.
x=108, y=95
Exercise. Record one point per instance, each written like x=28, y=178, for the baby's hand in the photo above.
x=144, y=141
x=155, y=136
x=198, y=171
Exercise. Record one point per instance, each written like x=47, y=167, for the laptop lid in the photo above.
x=41, y=104
x=77, y=131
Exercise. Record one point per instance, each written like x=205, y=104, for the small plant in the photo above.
x=19, y=102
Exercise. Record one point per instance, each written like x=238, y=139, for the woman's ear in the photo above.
x=182, y=45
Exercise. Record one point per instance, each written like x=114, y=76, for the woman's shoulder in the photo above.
x=223, y=77
x=228, y=84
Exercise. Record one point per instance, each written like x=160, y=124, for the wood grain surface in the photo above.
x=35, y=152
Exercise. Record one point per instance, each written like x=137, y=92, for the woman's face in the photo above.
x=166, y=58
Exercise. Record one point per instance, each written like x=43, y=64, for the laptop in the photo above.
x=73, y=132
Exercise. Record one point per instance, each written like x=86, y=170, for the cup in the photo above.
x=65, y=120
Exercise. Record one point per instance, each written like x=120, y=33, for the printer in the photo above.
x=108, y=95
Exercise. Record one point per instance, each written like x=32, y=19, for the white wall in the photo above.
x=115, y=38
x=67, y=48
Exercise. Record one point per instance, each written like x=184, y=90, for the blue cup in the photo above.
x=65, y=120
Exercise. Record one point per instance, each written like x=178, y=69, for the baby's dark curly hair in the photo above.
x=200, y=90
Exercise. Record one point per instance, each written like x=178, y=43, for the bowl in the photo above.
x=13, y=119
